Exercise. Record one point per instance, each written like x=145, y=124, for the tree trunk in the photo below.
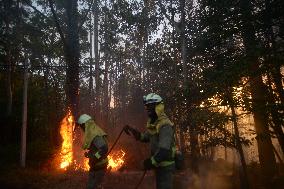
x=278, y=156
x=275, y=72
x=24, y=118
x=106, y=75
x=265, y=149
x=277, y=77
x=72, y=56
x=8, y=60
x=91, y=91
x=182, y=139
x=106, y=95
x=278, y=130
x=194, y=148
x=145, y=34
x=97, y=62
x=9, y=84
x=183, y=41
x=276, y=116
x=266, y=155
x=175, y=59
x=243, y=173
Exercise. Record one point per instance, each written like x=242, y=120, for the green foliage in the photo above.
x=141, y=43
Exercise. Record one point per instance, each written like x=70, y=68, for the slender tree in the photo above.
x=265, y=150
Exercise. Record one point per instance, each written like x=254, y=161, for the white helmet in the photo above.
x=84, y=118
x=152, y=98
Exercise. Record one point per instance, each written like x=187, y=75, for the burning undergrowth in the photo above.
x=116, y=160
x=71, y=156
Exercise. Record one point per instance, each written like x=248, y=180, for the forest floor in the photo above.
x=31, y=179
x=215, y=177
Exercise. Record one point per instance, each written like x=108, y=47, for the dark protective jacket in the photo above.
x=95, y=141
x=160, y=134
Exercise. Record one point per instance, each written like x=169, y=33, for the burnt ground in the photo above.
x=31, y=179
x=216, y=176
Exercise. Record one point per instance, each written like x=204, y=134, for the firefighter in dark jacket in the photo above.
x=96, y=145
x=160, y=133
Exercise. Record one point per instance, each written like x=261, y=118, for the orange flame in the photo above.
x=116, y=160
x=84, y=166
x=66, y=131
x=66, y=154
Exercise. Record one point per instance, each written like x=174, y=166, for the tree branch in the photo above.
x=54, y=17
x=56, y=20
x=85, y=17
x=164, y=11
x=35, y=9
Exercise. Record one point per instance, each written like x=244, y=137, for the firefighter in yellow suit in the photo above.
x=97, y=147
x=160, y=134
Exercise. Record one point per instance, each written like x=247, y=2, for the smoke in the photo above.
x=210, y=175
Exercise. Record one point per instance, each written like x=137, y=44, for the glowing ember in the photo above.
x=86, y=166
x=66, y=130
x=116, y=160
x=83, y=166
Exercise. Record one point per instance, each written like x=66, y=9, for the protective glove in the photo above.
x=135, y=133
x=148, y=164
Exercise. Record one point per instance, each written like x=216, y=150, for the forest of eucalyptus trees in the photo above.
x=213, y=62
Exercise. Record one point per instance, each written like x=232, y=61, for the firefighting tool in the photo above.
x=141, y=179
x=115, y=141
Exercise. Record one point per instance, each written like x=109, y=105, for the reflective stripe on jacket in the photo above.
x=160, y=134
x=95, y=141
